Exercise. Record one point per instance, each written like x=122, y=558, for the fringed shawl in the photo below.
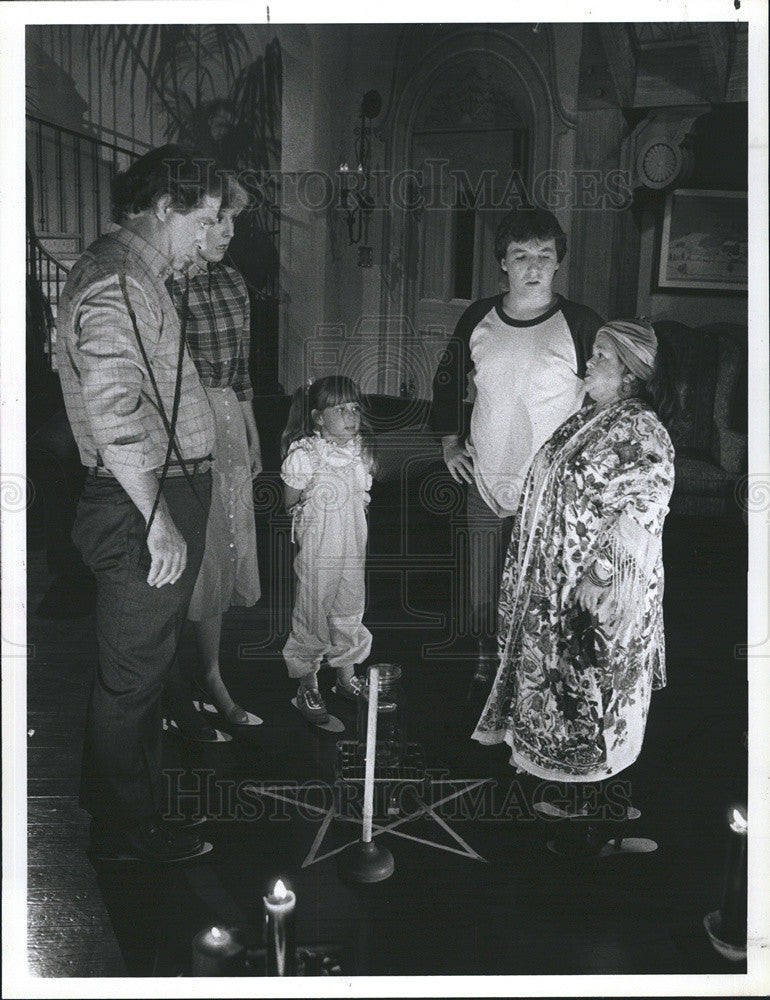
x=597, y=491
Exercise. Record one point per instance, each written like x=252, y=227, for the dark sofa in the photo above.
x=711, y=442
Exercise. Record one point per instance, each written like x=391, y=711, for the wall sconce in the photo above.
x=355, y=197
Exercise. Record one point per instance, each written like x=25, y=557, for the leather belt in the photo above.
x=195, y=466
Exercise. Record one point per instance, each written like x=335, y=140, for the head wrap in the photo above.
x=635, y=343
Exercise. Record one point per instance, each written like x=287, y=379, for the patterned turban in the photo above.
x=636, y=344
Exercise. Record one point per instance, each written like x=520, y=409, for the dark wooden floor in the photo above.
x=521, y=910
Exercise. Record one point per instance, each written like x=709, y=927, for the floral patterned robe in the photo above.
x=572, y=692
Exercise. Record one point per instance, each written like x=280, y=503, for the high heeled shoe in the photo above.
x=235, y=716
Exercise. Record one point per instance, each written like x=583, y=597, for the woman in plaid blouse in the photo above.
x=218, y=332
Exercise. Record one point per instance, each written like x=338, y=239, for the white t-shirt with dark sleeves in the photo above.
x=526, y=384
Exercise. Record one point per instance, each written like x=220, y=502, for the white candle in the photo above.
x=733, y=909
x=371, y=747
x=215, y=951
x=279, y=930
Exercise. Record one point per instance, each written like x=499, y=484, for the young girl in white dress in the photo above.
x=327, y=474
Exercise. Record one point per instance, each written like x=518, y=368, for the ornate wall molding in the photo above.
x=658, y=152
x=471, y=97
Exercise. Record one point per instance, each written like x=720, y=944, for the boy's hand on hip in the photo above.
x=457, y=460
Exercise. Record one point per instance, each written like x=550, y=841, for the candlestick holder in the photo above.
x=366, y=862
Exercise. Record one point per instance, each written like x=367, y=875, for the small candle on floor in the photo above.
x=279, y=931
x=216, y=952
x=732, y=927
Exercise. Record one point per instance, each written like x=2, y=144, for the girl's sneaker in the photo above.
x=311, y=705
x=349, y=687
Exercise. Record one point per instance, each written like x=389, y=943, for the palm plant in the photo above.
x=216, y=99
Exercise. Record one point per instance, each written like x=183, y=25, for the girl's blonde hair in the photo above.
x=330, y=390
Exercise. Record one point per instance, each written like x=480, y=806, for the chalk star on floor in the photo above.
x=422, y=809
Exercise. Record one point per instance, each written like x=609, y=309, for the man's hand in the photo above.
x=167, y=549
x=457, y=459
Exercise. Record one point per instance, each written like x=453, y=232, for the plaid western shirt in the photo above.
x=218, y=327
x=109, y=398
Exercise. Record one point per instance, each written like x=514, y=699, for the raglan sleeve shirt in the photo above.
x=450, y=383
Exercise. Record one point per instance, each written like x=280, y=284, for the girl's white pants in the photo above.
x=331, y=588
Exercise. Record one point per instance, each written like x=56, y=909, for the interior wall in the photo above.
x=720, y=163
x=329, y=304
x=335, y=314
x=692, y=308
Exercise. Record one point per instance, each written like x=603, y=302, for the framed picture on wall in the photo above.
x=704, y=241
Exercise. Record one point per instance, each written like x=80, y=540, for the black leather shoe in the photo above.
x=147, y=840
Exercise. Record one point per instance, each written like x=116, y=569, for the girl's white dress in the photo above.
x=329, y=524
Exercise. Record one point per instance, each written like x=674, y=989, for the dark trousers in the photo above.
x=488, y=538
x=138, y=628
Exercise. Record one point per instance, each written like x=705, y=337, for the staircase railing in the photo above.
x=68, y=202
x=48, y=275
x=71, y=175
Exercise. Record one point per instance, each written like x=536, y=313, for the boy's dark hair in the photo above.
x=524, y=224
x=184, y=174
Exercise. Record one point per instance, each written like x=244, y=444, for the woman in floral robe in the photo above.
x=581, y=623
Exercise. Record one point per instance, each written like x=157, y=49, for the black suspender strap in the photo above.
x=174, y=410
x=170, y=425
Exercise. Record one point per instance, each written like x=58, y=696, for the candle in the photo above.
x=279, y=931
x=371, y=750
x=216, y=951
x=732, y=928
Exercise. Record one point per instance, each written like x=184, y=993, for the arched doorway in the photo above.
x=470, y=127
x=469, y=144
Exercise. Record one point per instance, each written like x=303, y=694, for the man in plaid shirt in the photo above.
x=130, y=389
